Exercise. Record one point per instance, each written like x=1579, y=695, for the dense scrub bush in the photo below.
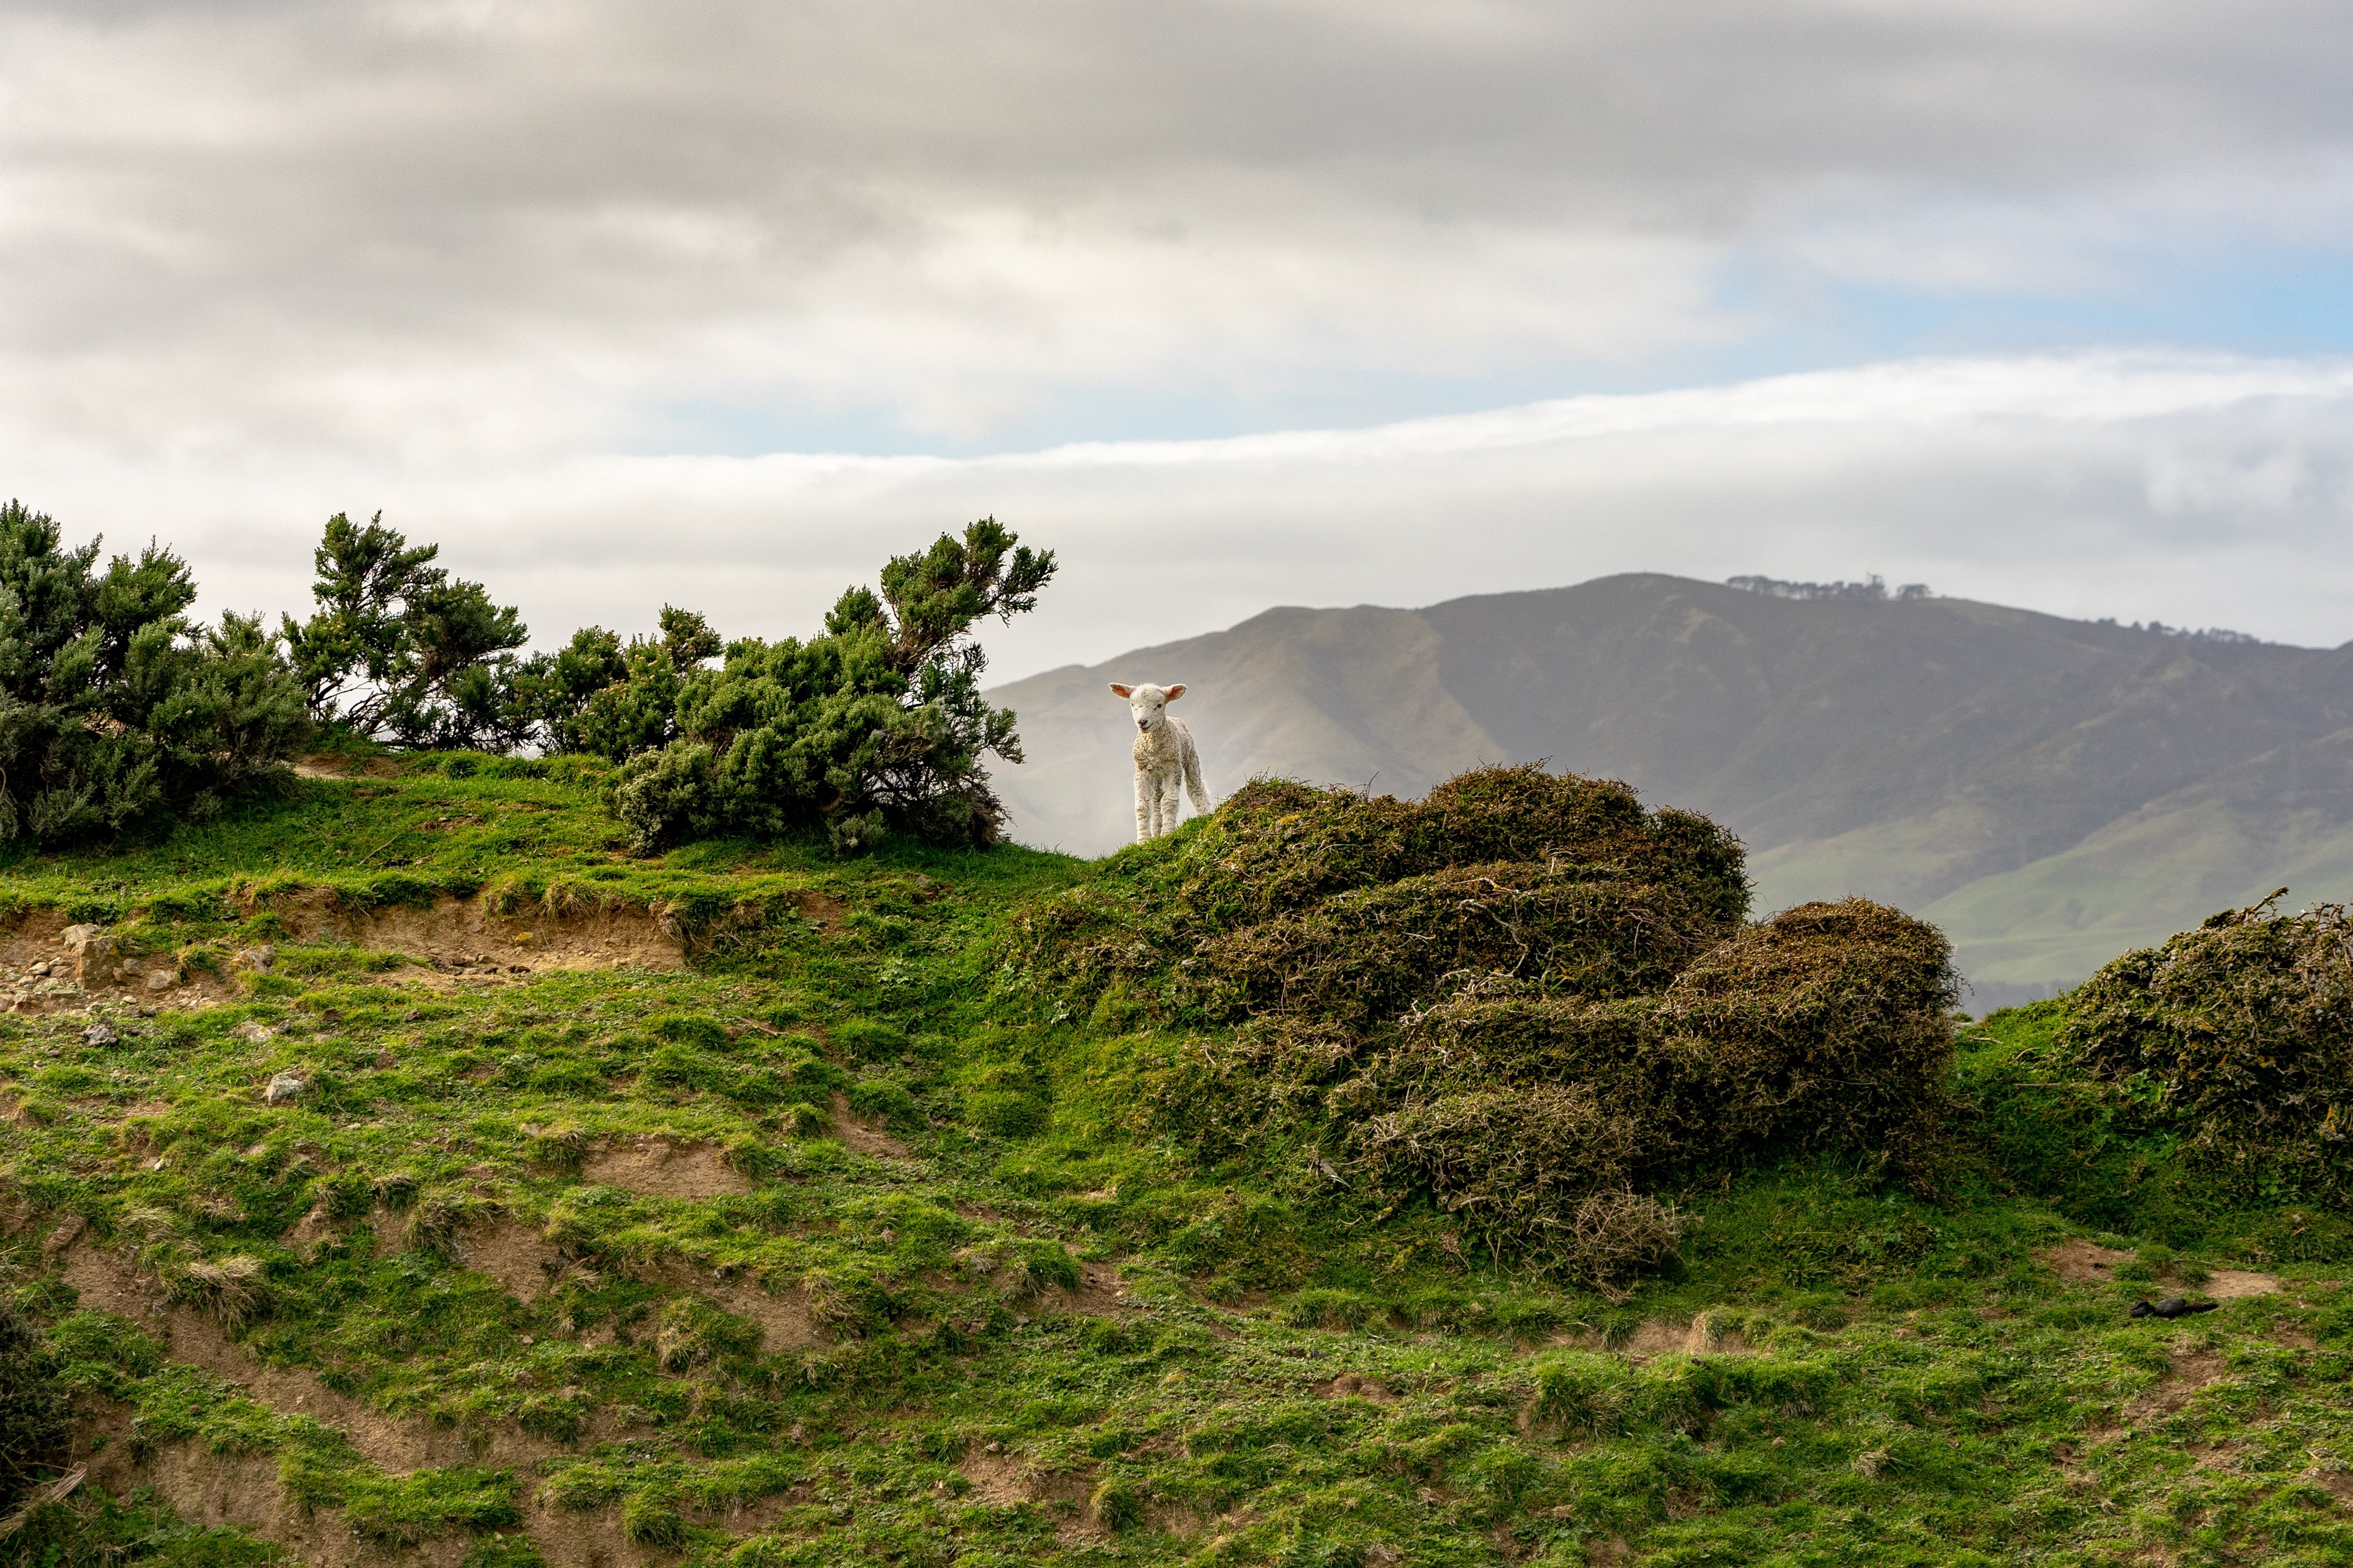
x=399, y=651
x=2238, y=1038
x=876, y=726
x=1524, y=1042
x=1496, y=869
x=116, y=714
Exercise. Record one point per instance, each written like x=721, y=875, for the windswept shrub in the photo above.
x=876, y=726
x=117, y=714
x=2237, y=1036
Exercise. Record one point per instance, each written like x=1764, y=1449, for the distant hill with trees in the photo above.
x=2051, y=792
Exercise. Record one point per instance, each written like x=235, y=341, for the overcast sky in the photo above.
x=1234, y=305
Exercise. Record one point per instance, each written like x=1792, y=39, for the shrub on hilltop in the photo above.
x=875, y=726
x=2237, y=1037
x=117, y=714
x=399, y=651
x=1523, y=1000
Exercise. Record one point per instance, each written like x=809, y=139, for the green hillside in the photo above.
x=2003, y=768
x=738, y=1206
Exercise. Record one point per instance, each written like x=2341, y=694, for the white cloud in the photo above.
x=2199, y=491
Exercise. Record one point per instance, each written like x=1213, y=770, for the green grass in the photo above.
x=1872, y=1377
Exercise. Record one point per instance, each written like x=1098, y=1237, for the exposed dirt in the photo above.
x=2079, y=1262
x=2235, y=1284
x=458, y=939
x=1000, y=1480
x=109, y=1283
x=514, y=1255
x=2192, y=1372
x=1354, y=1385
x=863, y=1137
x=41, y=972
x=1701, y=1336
x=660, y=1169
x=1102, y=1292
x=822, y=911
x=785, y=1320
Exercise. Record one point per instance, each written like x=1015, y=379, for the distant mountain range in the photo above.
x=2052, y=792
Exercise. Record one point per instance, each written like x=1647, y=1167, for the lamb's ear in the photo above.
x=1175, y=692
x=1119, y=691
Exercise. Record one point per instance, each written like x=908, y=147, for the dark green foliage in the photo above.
x=875, y=726
x=116, y=714
x=400, y=651
x=35, y=1416
x=593, y=696
x=1522, y=1042
x=1327, y=903
x=2237, y=1039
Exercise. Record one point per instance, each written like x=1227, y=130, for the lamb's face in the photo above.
x=1148, y=703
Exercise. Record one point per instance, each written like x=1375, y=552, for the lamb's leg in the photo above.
x=1193, y=785
x=1148, y=802
x=1168, y=786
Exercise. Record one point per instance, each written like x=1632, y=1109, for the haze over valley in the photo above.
x=2051, y=792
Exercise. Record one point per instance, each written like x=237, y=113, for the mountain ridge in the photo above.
x=1909, y=748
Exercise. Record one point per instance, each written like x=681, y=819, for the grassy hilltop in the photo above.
x=432, y=1179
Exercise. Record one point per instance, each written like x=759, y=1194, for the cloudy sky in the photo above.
x=1233, y=304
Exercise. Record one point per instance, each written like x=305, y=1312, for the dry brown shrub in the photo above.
x=2238, y=1035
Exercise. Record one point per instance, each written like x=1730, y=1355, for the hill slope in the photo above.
x=1985, y=762
x=406, y=1177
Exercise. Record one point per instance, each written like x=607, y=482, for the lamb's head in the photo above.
x=1147, y=702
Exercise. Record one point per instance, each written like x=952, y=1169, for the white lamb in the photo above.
x=1165, y=758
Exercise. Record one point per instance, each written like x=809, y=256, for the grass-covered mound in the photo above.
x=1521, y=1000
x=2200, y=1092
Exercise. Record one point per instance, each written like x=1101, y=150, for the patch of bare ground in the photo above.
x=2192, y=1369
x=457, y=939
x=822, y=911
x=999, y=1479
x=785, y=1322
x=658, y=1168
x=861, y=1136
x=581, y=1537
x=50, y=965
x=1701, y=1336
x=1354, y=1385
x=2338, y=1484
x=1102, y=1292
x=2081, y=1262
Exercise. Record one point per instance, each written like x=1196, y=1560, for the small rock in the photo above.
x=58, y=1240
x=40, y=968
x=283, y=1088
x=75, y=936
x=101, y=1033
x=162, y=980
x=256, y=1032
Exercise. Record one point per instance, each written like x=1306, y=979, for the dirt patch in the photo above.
x=822, y=911
x=659, y=1168
x=2338, y=1484
x=863, y=1137
x=516, y=1255
x=49, y=965
x=2236, y=1284
x=455, y=939
x=1102, y=1292
x=1355, y=1386
x=1701, y=1336
x=2079, y=1262
x=2192, y=1372
x=579, y=1538
x=1000, y=1480
x=785, y=1320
